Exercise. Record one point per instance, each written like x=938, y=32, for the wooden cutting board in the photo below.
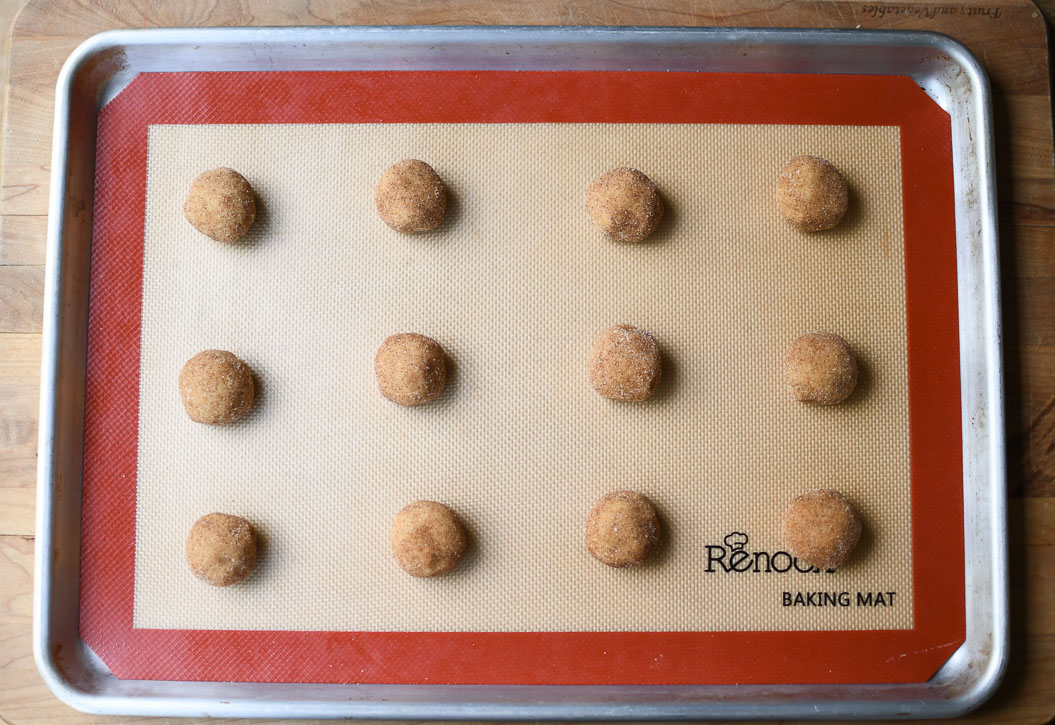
x=1008, y=36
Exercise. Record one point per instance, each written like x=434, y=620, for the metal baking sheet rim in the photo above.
x=101, y=66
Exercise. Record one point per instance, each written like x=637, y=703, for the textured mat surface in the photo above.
x=516, y=284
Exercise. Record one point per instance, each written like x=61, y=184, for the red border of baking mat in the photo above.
x=111, y=412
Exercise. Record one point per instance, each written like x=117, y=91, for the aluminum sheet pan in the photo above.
x=106, y=63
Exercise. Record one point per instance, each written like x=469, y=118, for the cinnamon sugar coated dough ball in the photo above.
x=623, y=529
x=821, y=528
x=428, y=539
x=819, y=367
x=216, y=387
x=411, y=369
x=624, y=204
x=812, y=194
x=624, y=364
x=411, y=197
x=221, y=549
x=221, y=205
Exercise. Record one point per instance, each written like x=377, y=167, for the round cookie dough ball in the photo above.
x=216, y=387
x=411, y=369
x=821, y=528
x=624, y=364
x=812, y=194
x=624, y=204
x=221, y=549
x=411, y=197
x=221, y=205
x=428, y=539
x=819, y=367
x=623, y=529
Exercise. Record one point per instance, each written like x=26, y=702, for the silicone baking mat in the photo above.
x=516, y=284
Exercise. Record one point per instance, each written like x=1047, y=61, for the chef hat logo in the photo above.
x=736, y=541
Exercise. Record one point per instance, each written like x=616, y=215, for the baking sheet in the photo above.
x=248, y=663
x=516, y=284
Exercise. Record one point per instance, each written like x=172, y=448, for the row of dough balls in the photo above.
x=623, y=530
x=624, y=203
x=216, y=386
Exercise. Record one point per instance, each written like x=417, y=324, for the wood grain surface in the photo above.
x=1008, y=36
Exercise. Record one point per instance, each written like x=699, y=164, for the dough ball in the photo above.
x=821, y=528
x=221, y=205
x=819, y=367
x=624, y=204
x=411, y=197
x=411, y=369
x=221, y=549
x=428, y=539
x=624, y=364
x=812, y=194
x=216, y=387
x=623, y=529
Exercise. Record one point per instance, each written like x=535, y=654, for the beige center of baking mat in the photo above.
x=515, y=285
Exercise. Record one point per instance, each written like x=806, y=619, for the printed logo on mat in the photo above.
x=732, y=556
